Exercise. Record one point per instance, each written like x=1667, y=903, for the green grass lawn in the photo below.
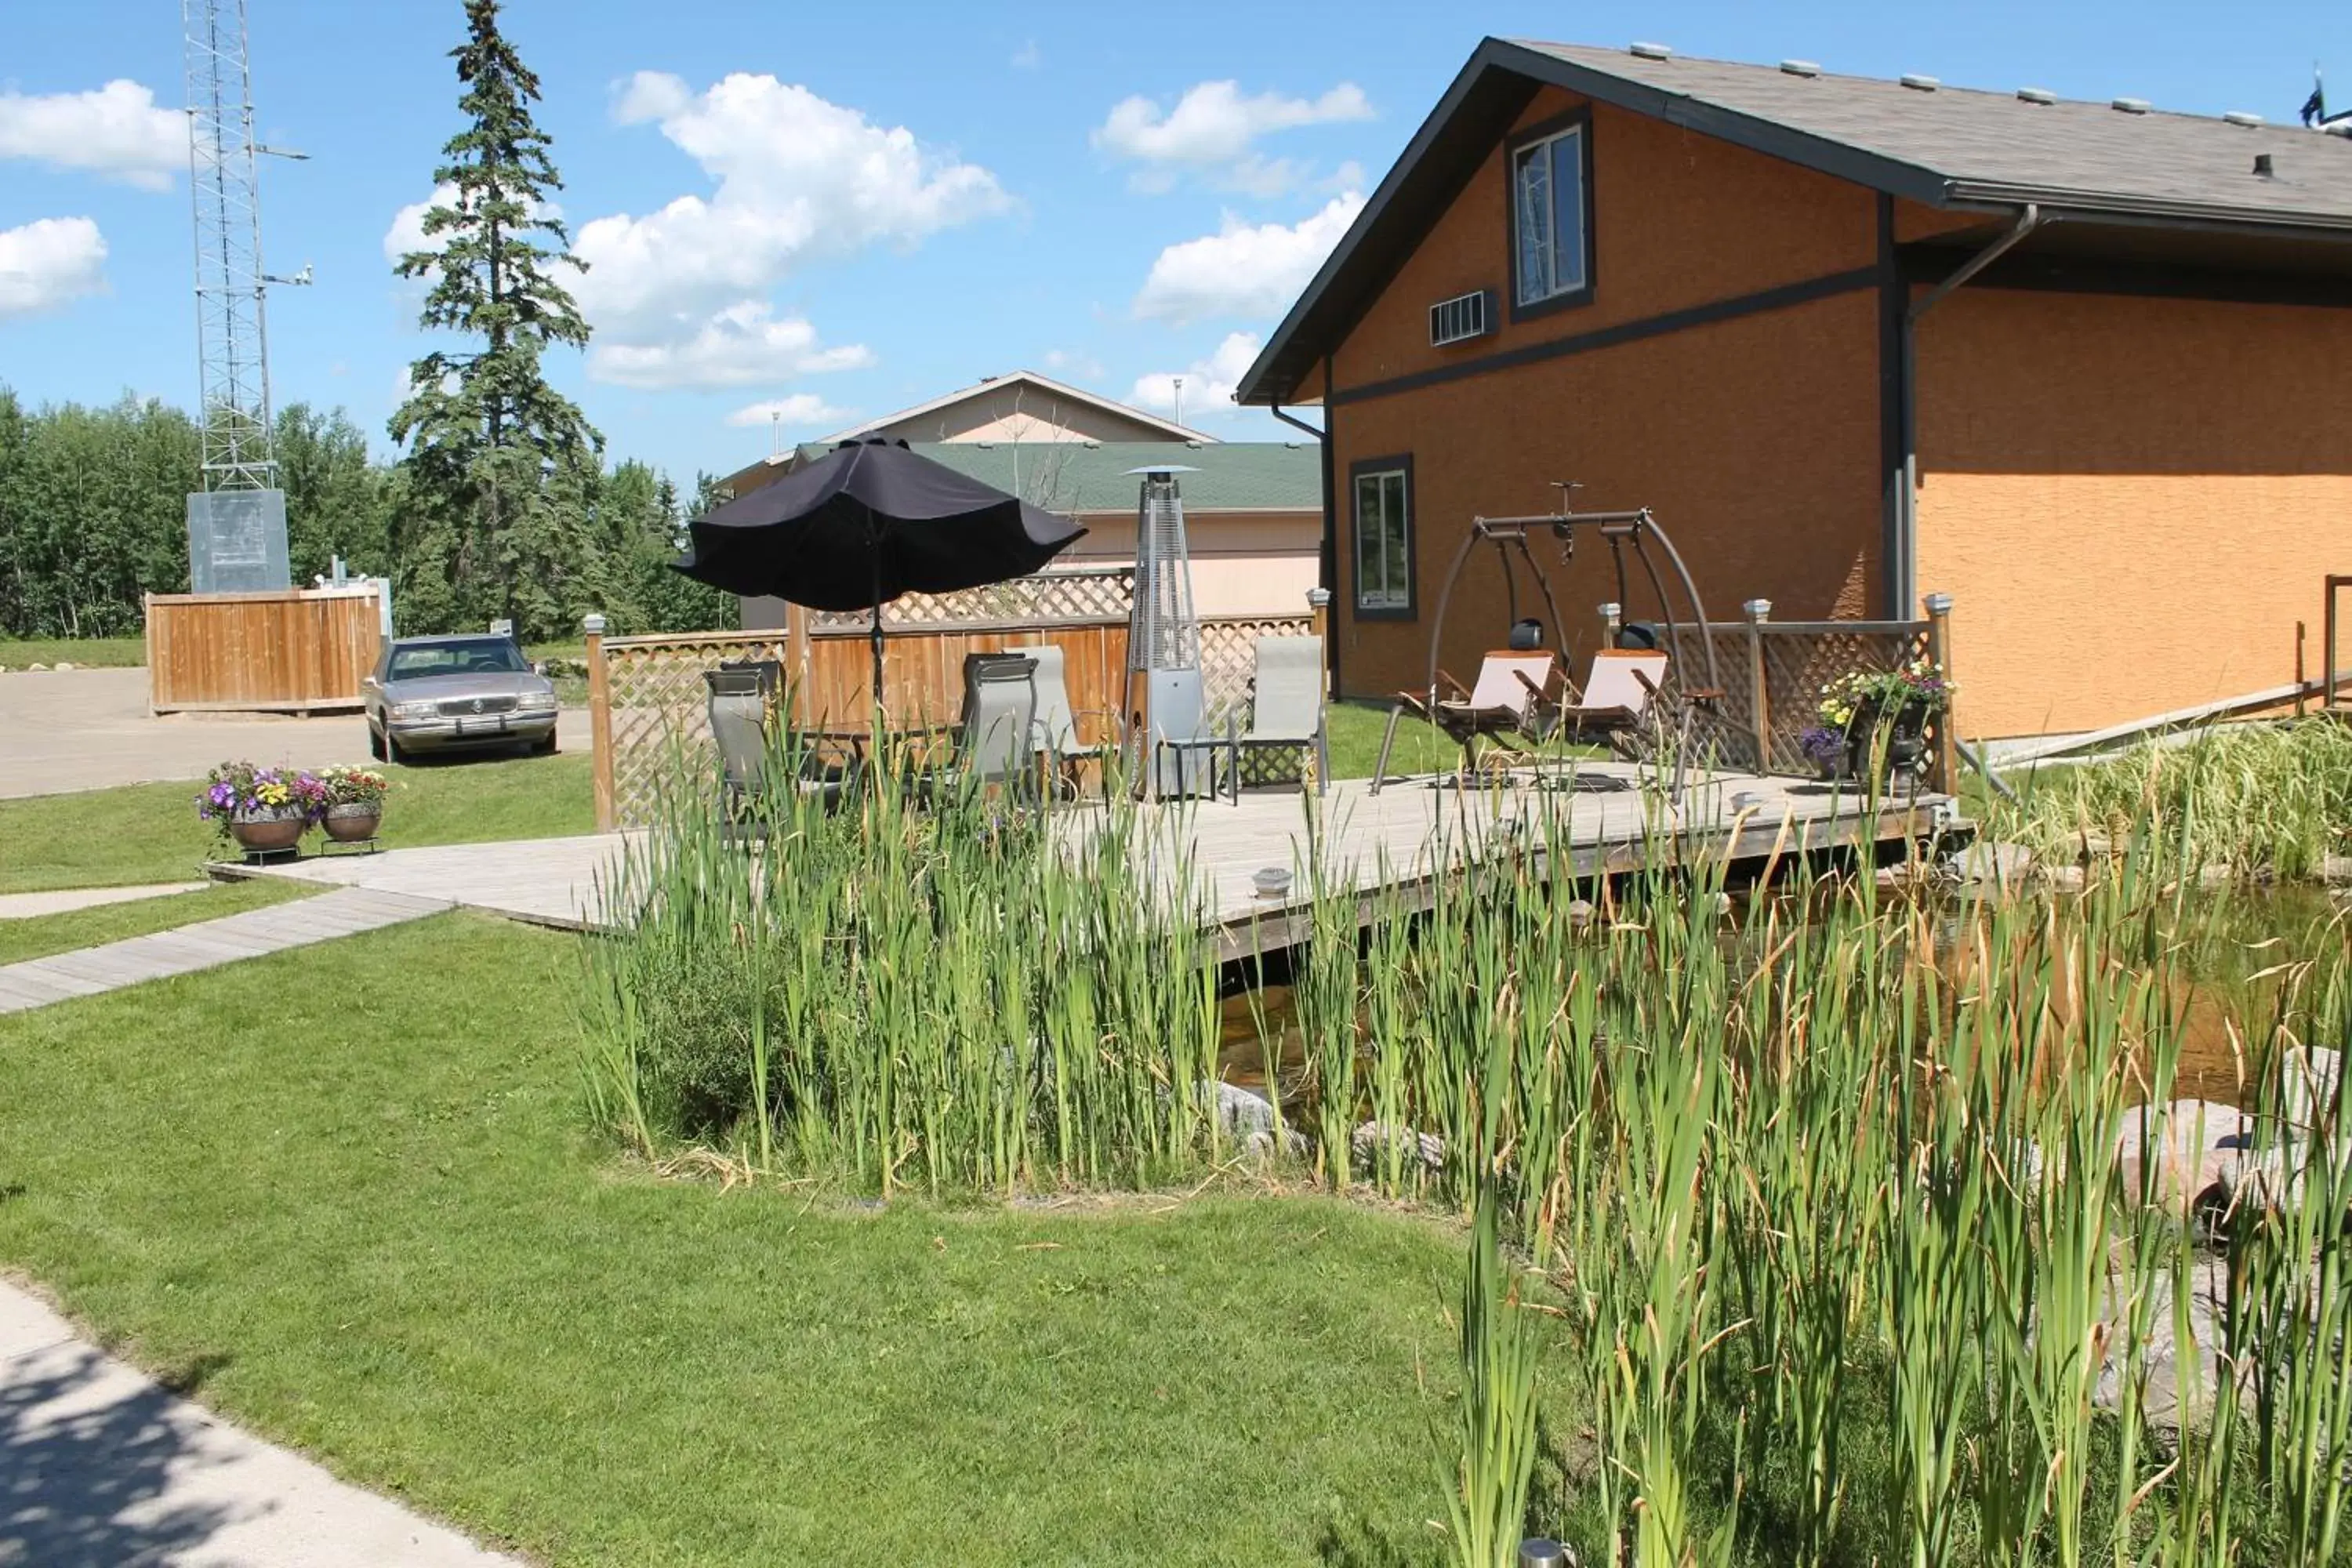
x=41, y=935
x=343, y=1191
x=1354, y=728
x=149, y=833
x=111, y=652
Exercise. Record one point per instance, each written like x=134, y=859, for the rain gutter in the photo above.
x=1327, y=548
x=1902, y=570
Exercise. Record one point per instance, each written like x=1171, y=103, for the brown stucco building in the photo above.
x=2082, y=366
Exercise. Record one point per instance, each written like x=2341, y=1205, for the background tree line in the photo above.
x=93, y=513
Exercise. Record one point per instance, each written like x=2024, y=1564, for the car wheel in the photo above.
x=398, y=755
x=375, y=743
x=545, y=748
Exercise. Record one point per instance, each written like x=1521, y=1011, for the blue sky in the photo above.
x=838, y=210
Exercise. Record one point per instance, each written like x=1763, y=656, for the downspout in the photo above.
x=1326, y=548
x=1905, y=574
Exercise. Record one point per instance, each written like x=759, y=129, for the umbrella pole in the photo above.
x=874, y=557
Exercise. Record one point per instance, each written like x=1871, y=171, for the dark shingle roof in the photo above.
x=2088, y=164
x=1082, y=477
x=1959, y=145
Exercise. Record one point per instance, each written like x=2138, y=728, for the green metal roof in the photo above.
x=1087, y=477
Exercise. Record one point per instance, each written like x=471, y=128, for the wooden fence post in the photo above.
x=1759, y=697
x=600, y=721
x=1945, y=766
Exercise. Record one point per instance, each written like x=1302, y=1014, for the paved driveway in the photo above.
x=90, y=729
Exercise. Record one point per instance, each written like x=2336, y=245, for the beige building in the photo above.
x=1022, y=407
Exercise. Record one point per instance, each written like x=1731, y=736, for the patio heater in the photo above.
x=1164, y=693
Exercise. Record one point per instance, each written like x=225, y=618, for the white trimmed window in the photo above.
x=1383, y=525
x=1551, y=259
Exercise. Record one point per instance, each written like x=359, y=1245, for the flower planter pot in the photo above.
x=353, y=821
x=1899, y=745
x=268, y=832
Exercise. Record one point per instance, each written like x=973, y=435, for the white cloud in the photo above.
x=800, y=411
x=676, y=295
x=797, y=178
x=739, y=346
x=1207, y=383
x=1027, y=58
x=116, y=130
x=1211, y=132
x=47, y=262
x=1243, y=269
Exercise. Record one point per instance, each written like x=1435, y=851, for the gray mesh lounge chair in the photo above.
x=1056, y=729
x=994, y=745
x=742, y=705
x=1286, y=707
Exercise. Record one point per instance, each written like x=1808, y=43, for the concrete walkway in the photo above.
x=101, y=1467
x=65, y=901
x=38, y=982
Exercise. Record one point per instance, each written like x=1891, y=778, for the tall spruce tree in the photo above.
x=495, y=457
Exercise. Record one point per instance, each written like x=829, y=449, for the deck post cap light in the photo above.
x=593, y=624
x=1758, y=608
x=1319, y=597
x=1939, y=603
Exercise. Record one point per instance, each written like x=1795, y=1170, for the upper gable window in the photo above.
x=1551, y=240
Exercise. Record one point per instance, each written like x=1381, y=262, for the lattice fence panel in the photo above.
x=661, y=715
x=1687, y=672
x=1799, y=662
x=1087, y=594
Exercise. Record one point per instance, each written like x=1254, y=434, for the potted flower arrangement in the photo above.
x=265, y=811
x=1881, y=716
x=354, y=802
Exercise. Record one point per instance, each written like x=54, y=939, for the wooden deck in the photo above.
x=1609, y=817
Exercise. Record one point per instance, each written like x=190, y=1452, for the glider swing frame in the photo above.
x=1620, y=530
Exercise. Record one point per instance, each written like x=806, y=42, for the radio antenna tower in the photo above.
x=232, y=338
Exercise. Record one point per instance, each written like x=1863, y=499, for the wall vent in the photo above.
x=1461, y=318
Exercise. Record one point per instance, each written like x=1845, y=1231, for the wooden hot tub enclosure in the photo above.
x=301, y=651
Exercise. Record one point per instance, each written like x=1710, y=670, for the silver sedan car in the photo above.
x=439, y=694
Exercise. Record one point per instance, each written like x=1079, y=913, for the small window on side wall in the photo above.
x=1551, y=240
x=1381, y=517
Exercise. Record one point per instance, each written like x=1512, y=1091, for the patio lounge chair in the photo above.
x=1055, y=731
x=742, y=709
x=1617, y=706
x=994, y=744
x=1511, y=706
x=1286, y=710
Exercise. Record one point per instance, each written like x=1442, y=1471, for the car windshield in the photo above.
x=475, y=656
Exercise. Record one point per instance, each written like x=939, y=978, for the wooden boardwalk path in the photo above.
x=38, y=982
x=1607, y=818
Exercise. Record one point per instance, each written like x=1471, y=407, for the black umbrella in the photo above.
x=863, y=524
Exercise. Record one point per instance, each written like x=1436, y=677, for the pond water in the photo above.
x=2255, y=933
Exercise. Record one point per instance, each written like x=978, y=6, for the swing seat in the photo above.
x=1512, y=706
